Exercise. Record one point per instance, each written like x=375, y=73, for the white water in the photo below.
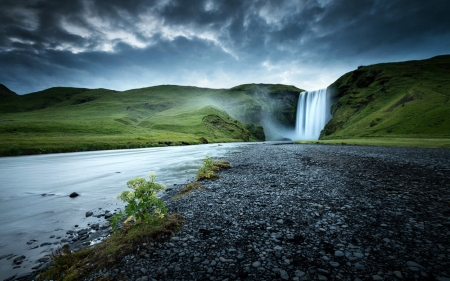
x=312, y=114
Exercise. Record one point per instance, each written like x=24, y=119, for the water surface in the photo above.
x=34, y=190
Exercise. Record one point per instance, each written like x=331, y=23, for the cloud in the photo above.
x=221, y=43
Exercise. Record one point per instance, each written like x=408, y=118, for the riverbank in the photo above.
x=385, y=141
x=309, y=212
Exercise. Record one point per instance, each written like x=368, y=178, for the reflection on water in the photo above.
x=34, y=190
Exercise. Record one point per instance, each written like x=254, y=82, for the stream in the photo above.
x=35, y=207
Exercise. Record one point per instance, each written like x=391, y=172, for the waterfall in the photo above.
x=312, y=114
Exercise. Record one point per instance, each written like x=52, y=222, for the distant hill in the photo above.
x=5, y=92
x=404, y=99
x=74, y=119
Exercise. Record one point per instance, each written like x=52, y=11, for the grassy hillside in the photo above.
x=75, y=119
x=392, y=100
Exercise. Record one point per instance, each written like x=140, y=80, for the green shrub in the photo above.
x=143, y=206
x=209, y=167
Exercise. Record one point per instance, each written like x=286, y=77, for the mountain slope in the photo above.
x=405, y=99
x=73, y=119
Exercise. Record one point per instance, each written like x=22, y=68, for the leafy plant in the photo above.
x=209, y=167
x=205, y=171
x=143, y=206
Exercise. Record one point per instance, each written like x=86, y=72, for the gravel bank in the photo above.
x=310, y=212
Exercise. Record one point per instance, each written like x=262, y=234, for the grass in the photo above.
x=393, y=100
x=386, y=141
x=75, y=119
x=68, y=266
x=188, y=189
x=208, y=170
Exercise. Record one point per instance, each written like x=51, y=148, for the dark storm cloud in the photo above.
x=125, y=44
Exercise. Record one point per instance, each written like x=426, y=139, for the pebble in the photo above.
x=256, y=264
x=338, y=254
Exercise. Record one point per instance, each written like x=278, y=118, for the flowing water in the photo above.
x=34, y=191
x=312, y=114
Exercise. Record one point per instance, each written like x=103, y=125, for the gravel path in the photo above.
x=311, y=212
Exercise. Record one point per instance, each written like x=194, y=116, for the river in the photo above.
x=34, y=191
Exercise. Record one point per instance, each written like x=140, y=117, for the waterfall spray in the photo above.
x=312, y=114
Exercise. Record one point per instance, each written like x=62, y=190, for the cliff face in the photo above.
x=266, y=105
x=392, y=99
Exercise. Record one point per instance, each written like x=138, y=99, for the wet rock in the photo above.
x=89, y=213
x=73, y=195
x=24, y=276
x=19, y=259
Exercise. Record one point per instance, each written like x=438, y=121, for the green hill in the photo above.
x=392, y=100
x=76, y=119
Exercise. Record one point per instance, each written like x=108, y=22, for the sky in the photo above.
x=123, y=45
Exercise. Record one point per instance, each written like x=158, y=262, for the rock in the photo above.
x=89, y=213
x=73, y=195
x=19, y=259
x=299, y=273
x=36, y=266
x=95, y=226
x=377, y=278
x=398, y=274
x=284, y=275
x=359, y=266
x=334, y=264
x=256, y=264
x=5, y=256
x=222, y=259
x=46, y=244
x=412, y=264
x=23, y=276
x=338, y=254
x=31, y=241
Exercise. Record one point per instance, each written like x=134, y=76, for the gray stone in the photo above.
x=334, y=264
x=284, y=275
x=377, y=278
x=359, y=266
x=89, y=213
x=413, y=264
x=338, y=254
x=398, y=274
x=299, y=273
x=256, y=264
x=19, y=259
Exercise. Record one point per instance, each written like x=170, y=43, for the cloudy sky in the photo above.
x=121, y=45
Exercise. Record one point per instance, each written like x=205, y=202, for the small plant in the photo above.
x=188, y=188
x=143, y=206
x=209, y=167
